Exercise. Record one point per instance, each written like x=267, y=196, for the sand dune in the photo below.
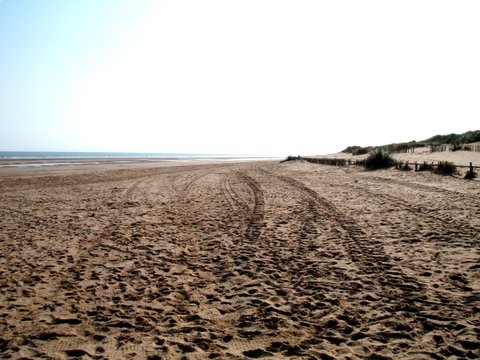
x=238, y=261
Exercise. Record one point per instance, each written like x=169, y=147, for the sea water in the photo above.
x=46, y=158
x=106, y=155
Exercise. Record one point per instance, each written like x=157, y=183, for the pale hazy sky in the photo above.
x=245, y=76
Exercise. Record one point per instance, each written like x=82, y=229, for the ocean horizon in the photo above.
x=106, y=155
x=23, y=159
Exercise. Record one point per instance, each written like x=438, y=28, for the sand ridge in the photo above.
x=236, y=261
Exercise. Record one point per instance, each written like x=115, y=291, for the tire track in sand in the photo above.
x=414, y=185
x=312, y=291
x=473, y=238
x=367, y=253
x=452, y=287
x=408, y=298
x=256, y=222
x=232, y=196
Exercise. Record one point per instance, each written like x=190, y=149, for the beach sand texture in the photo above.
x=238, y=261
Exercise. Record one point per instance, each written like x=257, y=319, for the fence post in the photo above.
x=416, y=166
x=471, y=168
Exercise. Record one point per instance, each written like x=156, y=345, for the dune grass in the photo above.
x=379, y=159
x=454, y=142
x=446, y=168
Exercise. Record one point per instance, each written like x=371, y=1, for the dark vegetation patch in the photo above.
x=470, y=175
x=379, y=160
x=446, y=168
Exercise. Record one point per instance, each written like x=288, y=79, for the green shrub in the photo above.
x=361, y=151
x=379, y=160
x=357, y=150
x=446, y=168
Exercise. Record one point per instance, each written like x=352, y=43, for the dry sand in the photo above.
x=236, y=261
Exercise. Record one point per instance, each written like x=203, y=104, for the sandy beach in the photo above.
x=238, y=261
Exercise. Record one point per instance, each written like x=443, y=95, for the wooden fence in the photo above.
x=419, y=166
x=401, y=165
x=449, y=147
x=326, y=161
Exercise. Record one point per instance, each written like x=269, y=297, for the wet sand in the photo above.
x=238, y=261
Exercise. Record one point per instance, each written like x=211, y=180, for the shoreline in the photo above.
x=121, y=159
x=62, y=166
